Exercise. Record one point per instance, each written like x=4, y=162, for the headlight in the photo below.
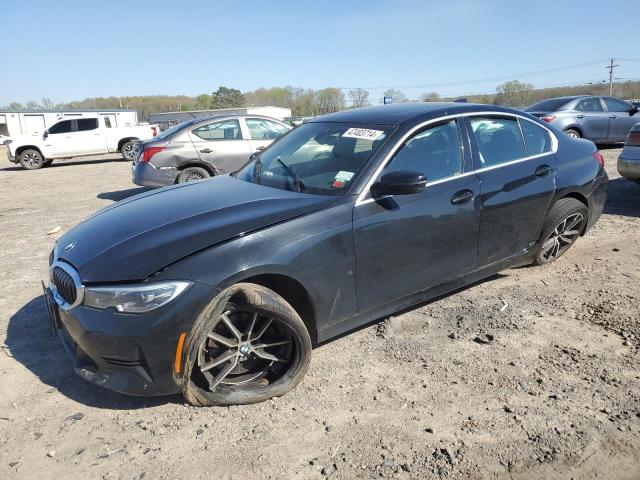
x=134, y=298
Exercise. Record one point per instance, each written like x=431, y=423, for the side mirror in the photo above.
x=633, y=111
x=45, y=134
x=400, y=182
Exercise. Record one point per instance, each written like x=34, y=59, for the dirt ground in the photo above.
x=554, y=395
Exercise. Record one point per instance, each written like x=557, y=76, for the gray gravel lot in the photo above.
x=556, y=394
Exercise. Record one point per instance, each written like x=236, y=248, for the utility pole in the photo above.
x=611, y=67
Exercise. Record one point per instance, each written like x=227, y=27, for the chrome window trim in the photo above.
x=361, y=200
x=73, y=273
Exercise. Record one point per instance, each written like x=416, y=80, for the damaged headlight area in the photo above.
x=134, y=298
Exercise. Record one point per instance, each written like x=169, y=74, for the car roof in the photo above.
x=398, y=114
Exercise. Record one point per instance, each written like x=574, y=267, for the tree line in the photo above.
x=308, y=102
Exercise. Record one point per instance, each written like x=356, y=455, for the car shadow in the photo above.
x=118, y=195
x=623, y=198
x=64, y=163
x=31, y=341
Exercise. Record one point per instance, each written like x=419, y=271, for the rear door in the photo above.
x=87, y=138
x=592, y=119
x=221, y=144
x=517, y=182
x=262, y=132
x=620, y=120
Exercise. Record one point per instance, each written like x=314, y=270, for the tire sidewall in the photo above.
x=183, y=174
x=263, y=301
x=122, y=150
x=41, y=160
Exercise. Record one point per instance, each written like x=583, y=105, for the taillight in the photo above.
x=633, y=139
x=599, y=158
x=548, y=118
x=149, y=152
x=154, y=130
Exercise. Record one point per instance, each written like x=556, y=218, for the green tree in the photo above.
x=227, y=98
x=203, y=102
x=513, y=94
x=304, y=103
x=359, y=98
x=15, y=106
x=329, y=100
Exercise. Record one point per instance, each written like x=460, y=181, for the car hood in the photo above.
x=139, y=236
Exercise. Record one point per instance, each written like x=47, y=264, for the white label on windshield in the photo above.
x=363, y=133
x=343, y=176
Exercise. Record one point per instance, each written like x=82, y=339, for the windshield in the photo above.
x=318, y=158
x=550, y=105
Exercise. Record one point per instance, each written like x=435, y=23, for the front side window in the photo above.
x=499, y=140
x=536, y=138
x=261, y=129
x=591, y=104
x=318, y=158
x=615, y=105
x=226, y=130
x=435, y=152
x=61, y=127
x=86, y=124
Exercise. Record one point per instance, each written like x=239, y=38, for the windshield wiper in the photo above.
x=296, y=180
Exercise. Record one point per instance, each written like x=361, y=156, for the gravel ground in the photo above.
x=533, y=373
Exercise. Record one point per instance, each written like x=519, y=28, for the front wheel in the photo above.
x=564, y=224
x=31, y=159
x=247, y=346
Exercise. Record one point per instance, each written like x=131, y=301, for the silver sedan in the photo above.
x=629, y=161
x=203, y=147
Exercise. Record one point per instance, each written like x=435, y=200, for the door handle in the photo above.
x=543, y=170
x=206, y=150
x=463, y=196
x=579, y=116
x=613, y=116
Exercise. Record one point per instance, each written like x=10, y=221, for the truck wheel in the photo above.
x=192, y=173
x=31, y=159
x=129, y=151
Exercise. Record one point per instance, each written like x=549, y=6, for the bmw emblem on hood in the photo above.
x=68, y=247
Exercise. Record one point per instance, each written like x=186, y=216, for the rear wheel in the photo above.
x=247, y=346
x=191, y=174
x=128, y=150
x=564, y=224
x=573, y=133
x=31, y=159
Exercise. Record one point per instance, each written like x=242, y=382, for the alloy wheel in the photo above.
x=193, y=176
x=562, y=237
x=129, y=151
x=31, y=159
x=245, y=348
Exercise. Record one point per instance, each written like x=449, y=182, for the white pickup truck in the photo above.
x=75, y=138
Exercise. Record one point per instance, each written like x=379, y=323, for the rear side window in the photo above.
x=227, y=130
x=536, y=138
x=549, y=105
x=499, y=140
x=61, y=127
x=590, y=105
x=615, y=105
x=85, y=124
x=435, y=152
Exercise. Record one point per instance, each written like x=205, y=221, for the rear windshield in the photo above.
x=550, y=105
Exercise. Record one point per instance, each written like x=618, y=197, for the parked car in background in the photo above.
x=219, y=289
x=599, y=119
x=4, y=140
x=629, y=160
x=77, y=138
x=204, y=147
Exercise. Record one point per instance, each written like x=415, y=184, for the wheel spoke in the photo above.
x=228, y=342
x=264, y=329
x=226, y=356
x=274, y=344
x=550, y=243
x=268, y=356
x=222, y=375
x=253, y=324
x=577, y=219
x=227, y=321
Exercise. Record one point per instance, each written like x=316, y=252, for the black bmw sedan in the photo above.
x=219, y=289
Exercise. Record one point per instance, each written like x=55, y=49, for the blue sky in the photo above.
x=68, y=50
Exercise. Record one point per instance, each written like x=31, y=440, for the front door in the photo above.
x=222, y=145
x=58, y=139
x=620, y=120
x=517, y=181
x=262, y=132
x=592, y=119
x=407, y=243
